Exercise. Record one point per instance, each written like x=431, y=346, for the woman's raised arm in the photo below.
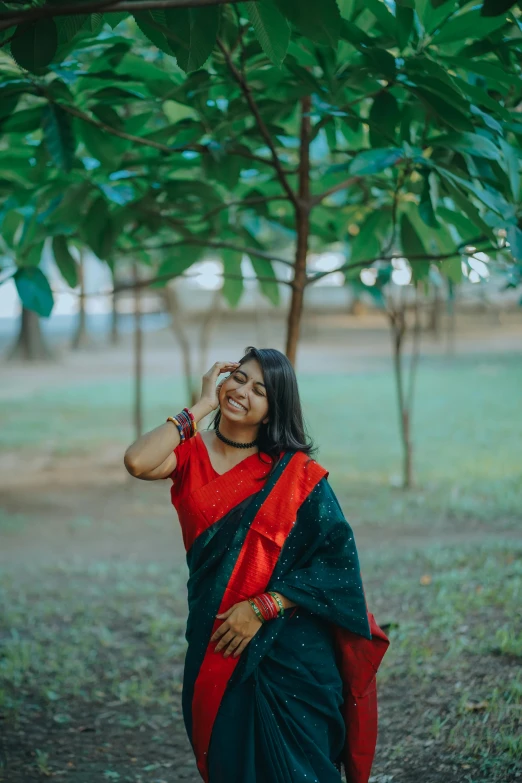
x=152, y=456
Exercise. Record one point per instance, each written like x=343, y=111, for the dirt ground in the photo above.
x=61, y=491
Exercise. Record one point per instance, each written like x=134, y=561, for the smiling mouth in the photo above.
x=236, y=405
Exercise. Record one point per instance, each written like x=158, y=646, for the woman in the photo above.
x=279, y=681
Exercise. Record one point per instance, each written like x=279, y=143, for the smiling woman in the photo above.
x=274, y=588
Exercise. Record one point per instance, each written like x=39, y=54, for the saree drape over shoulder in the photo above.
x=301, y=699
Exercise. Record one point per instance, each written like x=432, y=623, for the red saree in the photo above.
x=284, y=533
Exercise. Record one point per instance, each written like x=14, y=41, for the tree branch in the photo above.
x=245, y=89
x=370, y=261
x=201, y=148
x=347, y=183
x=10, y=18
x=249, y=251
x=165, y=278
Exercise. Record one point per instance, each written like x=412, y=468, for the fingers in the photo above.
x=240, y=648
x=220, y=367
x=224, y=640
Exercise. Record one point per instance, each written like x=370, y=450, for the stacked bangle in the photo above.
x=185, y=422
x=267, y=606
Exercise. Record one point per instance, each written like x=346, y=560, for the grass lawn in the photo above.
x=90, y=674
x=467, y=434
x=91, y=652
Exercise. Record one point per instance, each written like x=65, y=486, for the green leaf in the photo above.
x=34, y=290
x=426, y=210
x=471, y=143
x=58, y=135
x=452, y=269
x=468, y=208
x=404, y=16
x=264, y=268
x=467, y=25
x=496, y=7
x=366, y=246
x=179, y=260
x=373, y=161
x=512, y=165
x=346, y=7
x=102, y=145
x=233, y=285
x=98, y=229
x=146, y=21
x=194, y=34
x=115, y=17
x=514, y=237
x=25, y=121
x=384, y=17
x=34, y=44
x=321, y=22
x=449, y=114
x=384, y=118
x=410, y=240
x=271, y=29
x=64, y=261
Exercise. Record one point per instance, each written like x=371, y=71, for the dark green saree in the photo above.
x=280, y=712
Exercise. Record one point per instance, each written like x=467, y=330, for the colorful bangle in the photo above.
x=256, y=610
x=185, y=423
x=267, y=606
x=278, y=602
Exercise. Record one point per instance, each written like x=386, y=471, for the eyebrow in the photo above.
x=246, y=376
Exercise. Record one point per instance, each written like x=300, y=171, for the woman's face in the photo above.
x=245, y=386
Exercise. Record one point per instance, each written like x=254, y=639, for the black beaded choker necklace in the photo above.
x=233, y=442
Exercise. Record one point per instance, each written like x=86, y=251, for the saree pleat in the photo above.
x=275, y=714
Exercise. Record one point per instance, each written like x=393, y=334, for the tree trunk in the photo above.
x=138, y=357
x=397, y=321
x=207, y=327
x=435, y=313
x=451, y=327
x=81, y=338
x=115, y=335
x=30, y=344
x=172, y=303
x=303, y=231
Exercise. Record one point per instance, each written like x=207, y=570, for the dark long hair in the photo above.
x=285, y=429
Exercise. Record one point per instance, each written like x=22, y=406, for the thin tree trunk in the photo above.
x=451, y=330
x=435, y=313
x=398, y=328
x=81, y=339
x=30, y=344
x=209, y=322
x=303, y=231
x=138, y=357
x=115, y=335
x=172, y=303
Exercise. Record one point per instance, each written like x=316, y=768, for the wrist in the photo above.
x=201, y=409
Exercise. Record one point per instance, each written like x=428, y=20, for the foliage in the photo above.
x=273, y=129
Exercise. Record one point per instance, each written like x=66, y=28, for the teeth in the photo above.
x=236, y=404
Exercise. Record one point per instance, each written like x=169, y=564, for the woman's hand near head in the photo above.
x=209, y=390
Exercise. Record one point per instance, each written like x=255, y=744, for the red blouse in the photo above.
x=201, y=495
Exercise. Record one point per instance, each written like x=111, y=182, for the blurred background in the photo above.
x=357, y=207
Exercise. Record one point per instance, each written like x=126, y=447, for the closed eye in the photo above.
x=242, y=380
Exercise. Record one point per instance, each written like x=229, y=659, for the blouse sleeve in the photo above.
x=182, y=451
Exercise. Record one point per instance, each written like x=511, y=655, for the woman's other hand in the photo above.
x=209, y=390
x=239, y=627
